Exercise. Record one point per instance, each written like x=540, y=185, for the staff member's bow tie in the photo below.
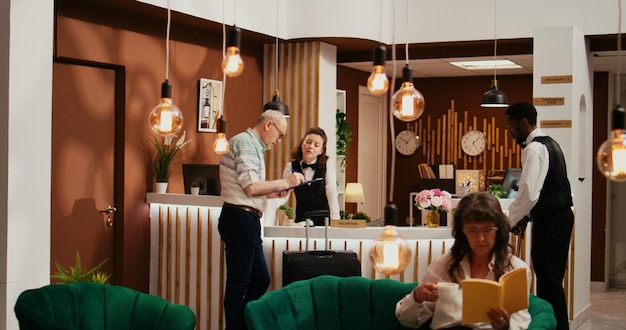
x=312, y=166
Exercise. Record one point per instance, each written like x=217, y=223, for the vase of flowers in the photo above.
x=165, y=157
x=433, y=201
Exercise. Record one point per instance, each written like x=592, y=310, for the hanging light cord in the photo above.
x=495, y=37
x=221, y=107
x=392, y=130
x=406, y=33
x=619, y=52
x=276, y=55
x=167, y=41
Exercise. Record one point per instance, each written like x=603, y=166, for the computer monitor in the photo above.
x=510, y=182
x=208, y=175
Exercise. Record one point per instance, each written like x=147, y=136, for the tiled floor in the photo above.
x=608, y=311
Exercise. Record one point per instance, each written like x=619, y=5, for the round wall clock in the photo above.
x=407, y=142
x=473, y=142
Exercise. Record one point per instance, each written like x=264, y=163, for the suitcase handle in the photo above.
x=322, y=254
x=316, y=213
x=307, y=218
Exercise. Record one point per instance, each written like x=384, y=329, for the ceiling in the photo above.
x=426, y=60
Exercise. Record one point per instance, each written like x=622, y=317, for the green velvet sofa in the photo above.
x=92, y=306
x=329, y=302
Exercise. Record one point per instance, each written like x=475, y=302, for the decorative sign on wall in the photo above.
x=548, y=100
x=556, y=79
x=555, y=123
x=209, y=104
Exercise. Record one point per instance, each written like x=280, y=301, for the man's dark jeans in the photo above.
x=247, y=276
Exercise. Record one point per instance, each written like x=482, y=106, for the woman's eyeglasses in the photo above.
x=485, y=232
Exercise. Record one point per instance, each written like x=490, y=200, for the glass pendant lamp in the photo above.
x=166, y=119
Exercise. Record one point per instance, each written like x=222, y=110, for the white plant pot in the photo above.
x=195, y=191
x=161, y=187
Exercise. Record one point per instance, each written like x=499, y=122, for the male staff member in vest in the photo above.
x=545, y=197
x=244, y=191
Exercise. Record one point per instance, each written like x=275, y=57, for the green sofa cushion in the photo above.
x=88, y=306
x=329, y=302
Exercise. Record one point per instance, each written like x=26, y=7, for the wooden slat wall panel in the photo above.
x=441, y=140
x=298, y=81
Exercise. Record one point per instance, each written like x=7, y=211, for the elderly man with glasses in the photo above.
x=245, y=191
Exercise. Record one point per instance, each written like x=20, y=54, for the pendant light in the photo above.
x=166, y=119
x=494, y=98
x=276, y=103
x=232, y=65
x=407, y=103
x=378, y=83
x=611, y=157
x=221, y=145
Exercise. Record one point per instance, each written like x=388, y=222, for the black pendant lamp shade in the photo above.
x=277, y=104
x=494, y=98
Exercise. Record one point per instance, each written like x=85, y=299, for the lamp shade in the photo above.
x=277, y=104
x=494, y=98
x=354, y=193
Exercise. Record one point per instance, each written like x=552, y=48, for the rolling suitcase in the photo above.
x=302, y=265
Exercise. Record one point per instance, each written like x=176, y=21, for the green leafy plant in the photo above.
x=496, y=189
x=361, y=215
x=78, y=273
x=166, y=154
x=288, y=210
x=195, y=184
x=344, y=133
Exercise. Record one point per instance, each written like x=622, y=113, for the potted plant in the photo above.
x=165, y=156
x=361, y=215
x=344, y=133
x=284, y=213
x=497, y=190
x=195, y=188
x=78, y=273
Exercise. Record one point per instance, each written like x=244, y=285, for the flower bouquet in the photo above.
x=433, y=200
x=166, y=153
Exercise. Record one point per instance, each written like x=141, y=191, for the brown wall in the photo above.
x=137, y=43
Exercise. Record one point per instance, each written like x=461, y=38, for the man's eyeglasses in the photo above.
x=280, y=133
x=485, y=232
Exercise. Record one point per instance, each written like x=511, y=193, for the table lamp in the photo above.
x=354, y=194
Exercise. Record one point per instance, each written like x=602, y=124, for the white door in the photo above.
x=372, y=152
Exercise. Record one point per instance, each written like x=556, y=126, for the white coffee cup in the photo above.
x=447, y=291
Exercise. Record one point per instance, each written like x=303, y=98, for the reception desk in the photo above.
x=187, y=256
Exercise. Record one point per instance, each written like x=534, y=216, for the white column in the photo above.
x=26, y=37
x=561, y=51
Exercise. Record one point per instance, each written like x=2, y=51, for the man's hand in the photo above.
x=520, y=226
x=294, y=179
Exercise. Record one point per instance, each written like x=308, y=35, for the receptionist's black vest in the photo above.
x=310, y=197
x=556, y=194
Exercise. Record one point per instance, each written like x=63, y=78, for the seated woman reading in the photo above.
x=481, y=250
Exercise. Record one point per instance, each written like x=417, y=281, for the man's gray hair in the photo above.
x=273, y=115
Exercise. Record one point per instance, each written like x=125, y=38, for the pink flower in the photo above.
x=434, y=199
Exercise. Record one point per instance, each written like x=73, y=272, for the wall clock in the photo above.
x=473, y=142
x=407, y=142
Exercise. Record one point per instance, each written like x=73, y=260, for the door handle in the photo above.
x=108, y=210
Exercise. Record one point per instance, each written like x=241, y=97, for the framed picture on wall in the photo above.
x=209, y=104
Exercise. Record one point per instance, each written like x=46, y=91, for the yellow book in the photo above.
x=479, y=295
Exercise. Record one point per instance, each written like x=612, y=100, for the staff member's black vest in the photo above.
x=556, y=194
x=311, y=197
